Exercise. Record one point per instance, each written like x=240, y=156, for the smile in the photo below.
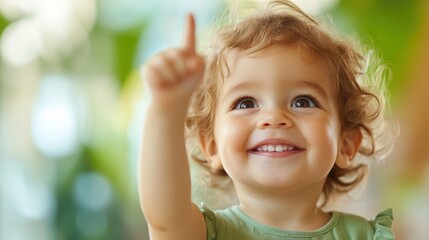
x=275, y=148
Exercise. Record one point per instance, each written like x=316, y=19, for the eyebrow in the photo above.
x=244, y=85
x=316, y=87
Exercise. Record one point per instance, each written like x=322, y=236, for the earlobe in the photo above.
x=349, y=145
x=209, y=148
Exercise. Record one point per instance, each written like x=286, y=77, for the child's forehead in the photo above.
x=305, y=53
x=293, y=52
x=236, y=62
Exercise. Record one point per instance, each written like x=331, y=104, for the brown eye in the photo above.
x=304, y=102
x=245, y=103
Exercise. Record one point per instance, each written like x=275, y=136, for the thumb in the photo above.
x=196, y=68
x=195, y=65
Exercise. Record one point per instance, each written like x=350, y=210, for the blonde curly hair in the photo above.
x=358, y=80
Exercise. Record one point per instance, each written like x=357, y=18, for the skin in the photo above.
x=165, y=187
x=289, y=102
x=276, y=189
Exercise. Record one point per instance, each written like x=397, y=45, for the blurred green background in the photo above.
x=72, y=105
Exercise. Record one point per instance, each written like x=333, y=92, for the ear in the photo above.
x=349, y=145
x=209, y=148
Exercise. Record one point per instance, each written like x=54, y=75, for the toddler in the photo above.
x=281, y=106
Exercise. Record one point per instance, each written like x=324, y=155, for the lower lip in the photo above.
x=276, y=154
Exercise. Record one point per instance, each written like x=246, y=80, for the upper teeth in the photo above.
x=274, y=148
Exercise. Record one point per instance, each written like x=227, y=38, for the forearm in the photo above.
x=165, y=185
x=165, y=188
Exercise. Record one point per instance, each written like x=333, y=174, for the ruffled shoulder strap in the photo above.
x=210, y=219
x=383, y=225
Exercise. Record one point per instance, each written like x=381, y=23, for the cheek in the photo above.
x=323, y=135
x=232, y=135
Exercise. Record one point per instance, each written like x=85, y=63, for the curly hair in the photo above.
x=358, y=81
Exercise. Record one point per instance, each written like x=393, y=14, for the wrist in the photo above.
x=169, y=110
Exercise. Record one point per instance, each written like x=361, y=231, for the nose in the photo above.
x=275, y=118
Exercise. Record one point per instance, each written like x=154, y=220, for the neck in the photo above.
x=289, y=210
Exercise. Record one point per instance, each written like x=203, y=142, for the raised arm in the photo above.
x=164, y=178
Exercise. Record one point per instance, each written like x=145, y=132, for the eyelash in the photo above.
x=309, y=97
x=240, y=99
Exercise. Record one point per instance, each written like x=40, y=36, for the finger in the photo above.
x=164, y=67
x=195, y=66
x=150, y=76
x=176, y=59
x=159, y=72
x=189, y=43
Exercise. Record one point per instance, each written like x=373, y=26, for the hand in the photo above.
x=174, y=74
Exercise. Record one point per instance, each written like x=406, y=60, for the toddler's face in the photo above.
x=276, y=120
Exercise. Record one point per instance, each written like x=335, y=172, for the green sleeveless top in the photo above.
x=233, y=224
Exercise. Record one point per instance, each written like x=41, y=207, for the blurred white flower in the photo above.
x=50, y=29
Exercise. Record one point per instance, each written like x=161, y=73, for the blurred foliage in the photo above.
x=106, y=152
x=69, y=210
x=125, y=48
x=3, y=23
x=390, y=26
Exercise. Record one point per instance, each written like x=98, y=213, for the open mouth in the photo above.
x=275, y=148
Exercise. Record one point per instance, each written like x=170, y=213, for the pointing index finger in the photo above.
x=189, y=43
